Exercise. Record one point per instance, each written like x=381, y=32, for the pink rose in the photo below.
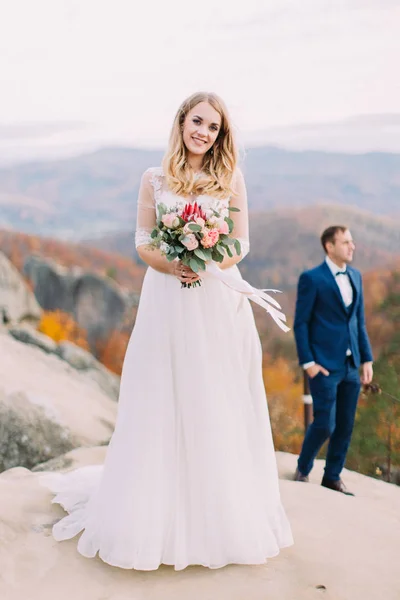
x=200, y=221
x=190, y=241
x=223, y=227
x=170, y=220
x=210, y=239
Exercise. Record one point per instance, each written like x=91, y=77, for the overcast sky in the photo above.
x=89, y=71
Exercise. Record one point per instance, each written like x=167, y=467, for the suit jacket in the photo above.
x=324, y=328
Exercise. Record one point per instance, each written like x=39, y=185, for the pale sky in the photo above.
x=82, y=72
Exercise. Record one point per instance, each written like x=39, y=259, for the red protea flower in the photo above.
x=192, y=211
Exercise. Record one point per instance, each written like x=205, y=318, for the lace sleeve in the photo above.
x=146, y=212
x=240, y=219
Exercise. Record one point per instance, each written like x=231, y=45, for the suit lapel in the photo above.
x=330, y=279
x=355, y=289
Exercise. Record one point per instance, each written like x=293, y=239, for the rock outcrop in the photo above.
x=97, y=303
x=29, y=335
x=76, y=357
x=17, y=302
x=47, y=407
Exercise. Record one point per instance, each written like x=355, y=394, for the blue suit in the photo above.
x=325, y=330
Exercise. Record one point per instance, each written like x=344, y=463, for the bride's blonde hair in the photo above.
x=219, y=162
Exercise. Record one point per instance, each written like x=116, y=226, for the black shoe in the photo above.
x=300, y=477
x=337, y=486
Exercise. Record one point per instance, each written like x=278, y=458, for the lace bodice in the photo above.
x=154, y=190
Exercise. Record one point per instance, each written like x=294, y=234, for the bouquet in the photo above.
x=194, y=235
x=198, y=236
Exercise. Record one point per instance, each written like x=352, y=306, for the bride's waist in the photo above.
x=234, y=269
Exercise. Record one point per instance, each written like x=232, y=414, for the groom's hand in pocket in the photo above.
x=315, y=369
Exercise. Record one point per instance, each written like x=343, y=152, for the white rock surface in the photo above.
x=348, y=545
x=84, y=361
x=47, y=406
x=16, y=299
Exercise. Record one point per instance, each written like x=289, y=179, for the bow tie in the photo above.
x=341, y=273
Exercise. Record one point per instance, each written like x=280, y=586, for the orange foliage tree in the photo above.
x=61, y=326
x=284, y=394
x=112, y=351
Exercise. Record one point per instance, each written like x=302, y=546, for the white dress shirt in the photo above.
x=342, y=281
x=346, y=291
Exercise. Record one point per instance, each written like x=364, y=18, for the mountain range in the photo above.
x=95, y=194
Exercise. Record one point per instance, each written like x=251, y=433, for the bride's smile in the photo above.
x=200, y=131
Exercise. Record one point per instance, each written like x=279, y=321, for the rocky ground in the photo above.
x=345, y=548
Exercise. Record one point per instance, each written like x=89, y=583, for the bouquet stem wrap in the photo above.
x=267, y=302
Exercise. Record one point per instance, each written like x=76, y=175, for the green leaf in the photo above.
x=217, y=257
x=233, y=209
x=230, y=224
x=194, y=227
x=229, y=252
x=207, y=253
x=171, y=257
x=162, y=210
x=154, y=234
x=179, y=249
x=220, y=249
x=185, y=260
x=238, y=247
x=194, y=265
x=195, y=260
x=228, y=241
x=201, y=254
x=201, y=263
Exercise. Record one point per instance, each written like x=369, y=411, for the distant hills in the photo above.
x=285, y=242
x=95, y=194
x=293, y=196
x=76, y=197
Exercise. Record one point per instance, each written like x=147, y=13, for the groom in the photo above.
x=332, y=343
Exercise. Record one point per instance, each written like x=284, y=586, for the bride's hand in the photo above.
x=183, y=273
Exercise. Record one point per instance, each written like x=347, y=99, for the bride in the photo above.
x=190, y=475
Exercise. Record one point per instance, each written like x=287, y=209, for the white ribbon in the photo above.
x=257, y=296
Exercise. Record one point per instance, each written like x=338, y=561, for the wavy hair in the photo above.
x=219, y=162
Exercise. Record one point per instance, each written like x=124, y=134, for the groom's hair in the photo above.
x=330, y=233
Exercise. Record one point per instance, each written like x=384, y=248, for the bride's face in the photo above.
x=201, y=128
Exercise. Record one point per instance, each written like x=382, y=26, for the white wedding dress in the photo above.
x=190, y=475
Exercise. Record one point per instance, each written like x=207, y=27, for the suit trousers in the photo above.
x=335, y=400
